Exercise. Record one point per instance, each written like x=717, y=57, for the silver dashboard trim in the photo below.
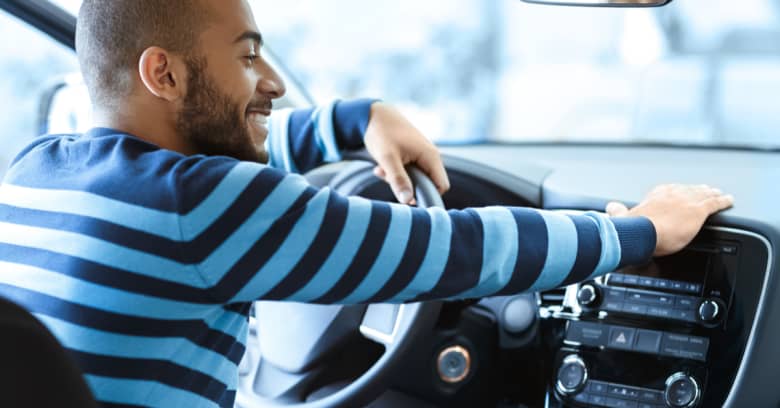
x=748, y=354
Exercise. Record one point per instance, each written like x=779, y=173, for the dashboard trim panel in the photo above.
x=748, y=354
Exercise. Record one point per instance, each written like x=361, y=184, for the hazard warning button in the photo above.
x=621, y=338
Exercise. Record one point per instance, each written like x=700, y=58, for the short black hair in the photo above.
x=111, y=35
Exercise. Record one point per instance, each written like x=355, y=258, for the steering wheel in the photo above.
x=291, y=346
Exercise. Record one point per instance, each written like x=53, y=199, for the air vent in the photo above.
x=553, y=297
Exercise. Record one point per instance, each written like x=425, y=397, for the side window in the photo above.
x=31, y=66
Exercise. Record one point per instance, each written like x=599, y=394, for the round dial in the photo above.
x=587, y=295
x=572, y=375
x=709, y=311
x=682, y=391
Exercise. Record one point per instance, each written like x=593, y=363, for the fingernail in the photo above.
x=404, y=196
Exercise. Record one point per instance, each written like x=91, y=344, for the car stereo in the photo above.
x=652, y=336
x=690, y=287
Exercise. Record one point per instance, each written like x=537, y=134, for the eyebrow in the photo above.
x=250, y=35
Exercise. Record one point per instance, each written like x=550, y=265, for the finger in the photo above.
x=379, y=172
x=398, y=180
x=719, y=203
x=713, y=192
x=616, y=209
x=432, y=165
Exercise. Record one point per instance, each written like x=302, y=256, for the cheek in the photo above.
x=244, y=85
x=239, y=85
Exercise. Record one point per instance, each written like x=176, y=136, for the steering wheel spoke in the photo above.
x=381, y=322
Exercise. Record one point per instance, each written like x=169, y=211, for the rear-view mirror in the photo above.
x=603, y=3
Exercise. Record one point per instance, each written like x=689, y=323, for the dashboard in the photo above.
x=694, y=329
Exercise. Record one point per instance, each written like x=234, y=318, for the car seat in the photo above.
x=36, y=371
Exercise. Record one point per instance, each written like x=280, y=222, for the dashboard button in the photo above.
x=621, y=338
x=597, y=387
x=692, y=288
x=598, y=400
x=663, y=284
x=659, y=311
x=647, y=282
x=651, y=396
x=686, y=302
x=665, y=300
x=648, y=341
x=631, y=280
x=620, y=403
x=586, y=333
x=678, y=345
x=649, y=298
x=614, y=294
x=612, y=306
x=635, y=308
x=640, y=297
x=615, y=278
x=684, y=315
x=582, y=398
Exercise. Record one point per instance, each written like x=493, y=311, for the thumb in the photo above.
x=400, y=183
x=616, y=209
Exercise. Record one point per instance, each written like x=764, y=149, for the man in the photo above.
x=141, y=243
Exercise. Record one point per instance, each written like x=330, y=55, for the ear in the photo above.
x=160, y=73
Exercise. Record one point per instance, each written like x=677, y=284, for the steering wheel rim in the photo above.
x=410, y=318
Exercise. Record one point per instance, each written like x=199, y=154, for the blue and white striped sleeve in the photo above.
x=282, y=239
x=300, y=140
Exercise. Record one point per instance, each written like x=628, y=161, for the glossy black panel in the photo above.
x=729, y=269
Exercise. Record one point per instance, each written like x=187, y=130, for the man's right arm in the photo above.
x=281, y=239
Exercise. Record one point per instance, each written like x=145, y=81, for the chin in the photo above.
x=262, y=156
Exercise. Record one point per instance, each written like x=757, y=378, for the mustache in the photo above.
x=260, y=106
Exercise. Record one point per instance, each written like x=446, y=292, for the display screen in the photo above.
x=686, y=266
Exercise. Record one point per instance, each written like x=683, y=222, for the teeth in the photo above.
x=258, y=118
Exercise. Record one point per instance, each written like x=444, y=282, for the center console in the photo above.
x=670, y=333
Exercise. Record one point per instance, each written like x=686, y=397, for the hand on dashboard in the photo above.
x=677, y=211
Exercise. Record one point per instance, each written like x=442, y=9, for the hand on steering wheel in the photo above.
x=297, y=339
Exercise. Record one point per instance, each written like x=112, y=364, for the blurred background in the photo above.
x=701, y=72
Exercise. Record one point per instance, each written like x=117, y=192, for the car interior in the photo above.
x=693, y=329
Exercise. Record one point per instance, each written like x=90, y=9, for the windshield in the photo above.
x=694, y=72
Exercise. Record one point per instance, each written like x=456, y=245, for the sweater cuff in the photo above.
x=637, y=239
x=350, y=121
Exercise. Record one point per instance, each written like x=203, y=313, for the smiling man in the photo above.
x=142, y=243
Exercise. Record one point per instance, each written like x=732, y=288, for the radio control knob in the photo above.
x=682, y=391
x=572, y=375
x=709, y=311
x=588, y=295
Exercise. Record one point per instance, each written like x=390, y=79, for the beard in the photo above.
x=211, y=122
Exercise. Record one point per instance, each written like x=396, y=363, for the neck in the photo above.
x=151, y=125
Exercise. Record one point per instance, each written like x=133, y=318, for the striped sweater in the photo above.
x=143, y=262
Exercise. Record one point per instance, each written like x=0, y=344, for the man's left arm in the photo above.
x=303, y=139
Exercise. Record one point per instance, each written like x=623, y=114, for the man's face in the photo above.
x=230, y=87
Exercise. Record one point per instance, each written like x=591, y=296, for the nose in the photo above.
x=270, y=83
